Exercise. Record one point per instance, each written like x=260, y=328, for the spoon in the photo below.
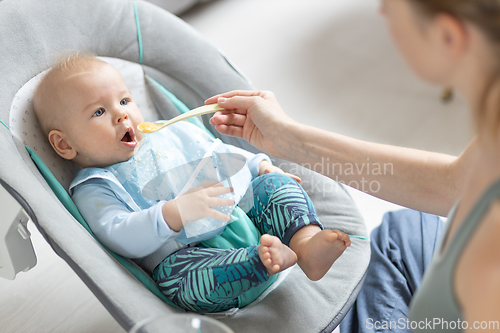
x=148, y=127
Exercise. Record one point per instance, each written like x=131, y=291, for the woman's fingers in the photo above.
x=229, y=124
x=233, y=93
x=236, y=131
x=255, y=116
x=239, y=104
x=230, y=119
x=240, y=101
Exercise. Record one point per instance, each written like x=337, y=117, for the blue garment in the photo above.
x=207, y=279
x=401, y=249
x=122, y=203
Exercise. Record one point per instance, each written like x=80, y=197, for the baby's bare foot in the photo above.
x=275, y=255
x=317, y=253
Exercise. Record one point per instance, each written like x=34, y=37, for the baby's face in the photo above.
x=100, y=117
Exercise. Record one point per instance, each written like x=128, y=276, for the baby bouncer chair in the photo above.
x=169, y=68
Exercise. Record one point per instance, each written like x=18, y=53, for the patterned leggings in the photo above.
x=210, y=279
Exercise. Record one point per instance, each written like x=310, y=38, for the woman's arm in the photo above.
x=421, y=180
x=425, y=181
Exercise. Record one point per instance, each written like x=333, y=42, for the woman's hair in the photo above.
x=484, y=15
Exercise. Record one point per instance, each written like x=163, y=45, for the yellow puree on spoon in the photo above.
x=147, y=127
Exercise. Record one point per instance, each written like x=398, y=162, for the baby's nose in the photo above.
x=121, y=116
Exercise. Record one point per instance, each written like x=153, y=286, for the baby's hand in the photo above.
x=266, y=167
x=197, y=203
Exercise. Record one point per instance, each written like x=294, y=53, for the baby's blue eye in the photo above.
x=123, y=102
x=98, y=113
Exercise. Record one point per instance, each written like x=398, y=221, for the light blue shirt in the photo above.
x=123, y=203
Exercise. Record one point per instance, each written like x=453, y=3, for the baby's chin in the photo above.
x=131, y=153
x=121, y=154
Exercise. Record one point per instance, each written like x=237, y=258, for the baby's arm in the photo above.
x=136, y=234
x=132, y=234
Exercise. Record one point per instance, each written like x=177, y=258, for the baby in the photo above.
x=90, y=118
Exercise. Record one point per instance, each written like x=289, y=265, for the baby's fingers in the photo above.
x=297, y=178
x=203, y=186
x=220, y=202
x=215, y=191
x=210, y=183
x=218, y=215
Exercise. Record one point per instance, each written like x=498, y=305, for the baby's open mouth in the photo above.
x=129, y=138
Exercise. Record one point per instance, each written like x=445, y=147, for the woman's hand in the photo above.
x=254, y=116
x=266, y=167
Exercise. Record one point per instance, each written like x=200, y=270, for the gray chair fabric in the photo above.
x=33, y=33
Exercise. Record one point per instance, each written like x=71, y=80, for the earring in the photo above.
x=447, y=94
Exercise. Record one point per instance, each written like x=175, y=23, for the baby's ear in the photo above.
x=61, y=146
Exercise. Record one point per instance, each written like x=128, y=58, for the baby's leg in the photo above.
x=208, y=279
x=280, y=207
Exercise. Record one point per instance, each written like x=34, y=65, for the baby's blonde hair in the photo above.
x=47, y=94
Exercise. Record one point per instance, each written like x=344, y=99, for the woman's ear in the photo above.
x=60, y=144
x=453, y=35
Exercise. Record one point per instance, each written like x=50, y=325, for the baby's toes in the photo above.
x=329, y=235
x=346, y=239
x=267, y=240
x=343, y=237
x=274, y=268
x=265, y=254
